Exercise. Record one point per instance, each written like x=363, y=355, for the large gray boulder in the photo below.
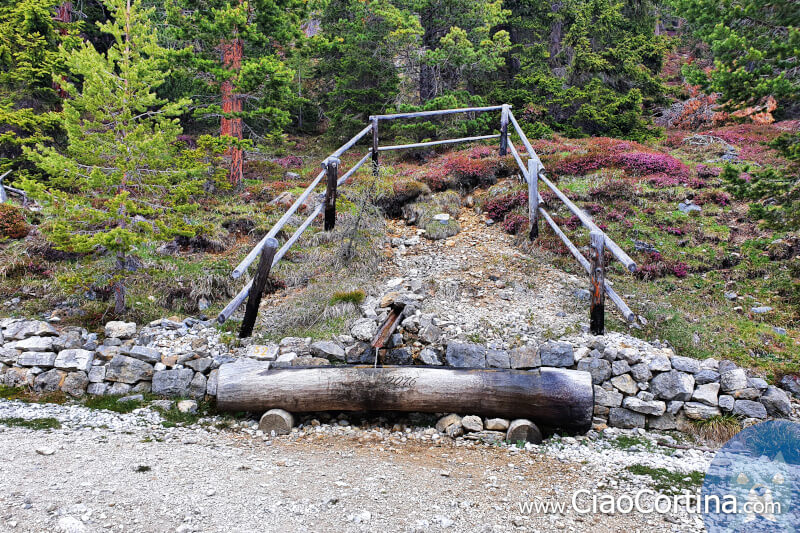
x=124, y=369
x=706, y=375
x=749, y=409
x=776, y=401
x=173, y=382
x=75, y=384
x=120, y=330
x=649, y=407
x=143, y=353
x=74, y=359
x=465, y=355
x=328, y=350
x=30, y=328
x=792, y=384
x=525, y=357
x=33, y=344
x=707, y=394
x=700, y=411
x=685, y=364
x=197, y=387
x=607, y=398
x=556, y=353
x=51, y=381
x=600, y=369
x=672, y=385
x=40, y=359
x=620, y=417
x=732, y=380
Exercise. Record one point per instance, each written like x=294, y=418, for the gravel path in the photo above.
x=479, y=281
x=111, y=472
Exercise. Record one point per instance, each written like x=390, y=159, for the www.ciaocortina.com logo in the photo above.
x=753, y=483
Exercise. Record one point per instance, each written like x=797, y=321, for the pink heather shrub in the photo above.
x=704, y=171
x=679, y=269
x=290, y=161
x=479, y=152
x=593, y=208
x=713, y=196
x=672, y=230
x=641, y=163
x=498, y=208
x=515, y=223
x=661, y=181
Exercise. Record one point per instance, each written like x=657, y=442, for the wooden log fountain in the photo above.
x=552, y=398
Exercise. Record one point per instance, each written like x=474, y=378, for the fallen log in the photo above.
x=550, y=397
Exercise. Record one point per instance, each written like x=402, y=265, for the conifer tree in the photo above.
x=236, y=58
x=120, y=181
x=29, y=60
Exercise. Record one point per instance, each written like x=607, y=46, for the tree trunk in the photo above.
x=119, y=285
x=232, y=52
x=552, y=398
x=64, y=15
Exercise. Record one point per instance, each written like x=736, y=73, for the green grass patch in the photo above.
x=173, y=417
x=718, y=428
x=353, y=297
x=626, y=442
x=112, y=403
x=33, y=423
x=666, y=481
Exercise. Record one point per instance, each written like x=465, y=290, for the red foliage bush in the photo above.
x=12, y=222
x=515, y=223
x=290, y=161
x=498, y=208
x=654, y=266
x=714, y=196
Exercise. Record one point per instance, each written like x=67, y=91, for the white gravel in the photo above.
x=327, y=477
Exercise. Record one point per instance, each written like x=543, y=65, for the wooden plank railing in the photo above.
x=533, y=171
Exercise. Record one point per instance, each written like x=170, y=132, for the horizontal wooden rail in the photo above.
x=241, y=296
x=254, y=253
x=419, y=114
x=525, y=141
x=587, y=221
x=610, y=292
x=349, y=144
x=434, y=143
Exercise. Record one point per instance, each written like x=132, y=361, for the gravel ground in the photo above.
x=104, y=471
x=481, y=283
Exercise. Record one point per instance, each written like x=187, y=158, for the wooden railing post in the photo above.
x=332, y=171
x=257, y=287
x=504, y=130
x=374, y=145
x=533, y=198
x=597, y=313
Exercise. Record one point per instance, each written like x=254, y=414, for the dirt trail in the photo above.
x=481, y=282
x=97, y=480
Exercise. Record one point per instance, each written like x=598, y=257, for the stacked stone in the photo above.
x=167, y=357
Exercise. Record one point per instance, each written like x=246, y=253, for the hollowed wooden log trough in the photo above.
x=555, y=399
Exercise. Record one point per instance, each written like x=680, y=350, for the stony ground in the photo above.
x=484, y=285
x=104, y=471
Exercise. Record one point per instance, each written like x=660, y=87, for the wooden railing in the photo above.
x=532, y=172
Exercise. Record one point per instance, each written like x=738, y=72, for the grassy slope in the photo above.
x=722, y=249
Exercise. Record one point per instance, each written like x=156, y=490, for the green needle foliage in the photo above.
x=755, y=46
x=121, y=181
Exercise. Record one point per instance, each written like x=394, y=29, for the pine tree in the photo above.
x=236, y=60
x=29, y=59
x=120, y=181
x=755, y=46
x=361, y=54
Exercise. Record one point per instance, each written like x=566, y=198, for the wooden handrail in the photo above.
x=418, y=114
x=434, y=143
x=532, y=172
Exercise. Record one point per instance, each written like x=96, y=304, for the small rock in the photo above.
x=472, y=423
x=120, y=330
x=45, y=450
x=187, y=406
x=749, y=409
x=496, y=424
x=557, y=354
